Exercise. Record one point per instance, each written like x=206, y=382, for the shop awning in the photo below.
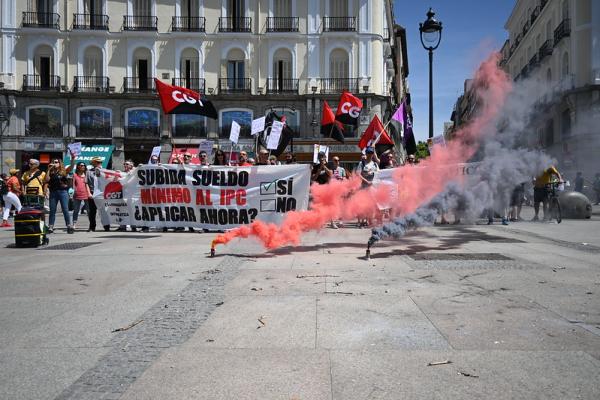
x=88, y=152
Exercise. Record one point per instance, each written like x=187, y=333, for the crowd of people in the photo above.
x=74, y=184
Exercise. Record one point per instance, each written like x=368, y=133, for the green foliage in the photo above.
x=422, y=150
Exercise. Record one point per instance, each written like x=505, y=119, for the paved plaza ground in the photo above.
x=447, y=312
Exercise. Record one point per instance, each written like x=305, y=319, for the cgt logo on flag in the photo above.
x=180, y=97
x=349, y=108
x=180, y=100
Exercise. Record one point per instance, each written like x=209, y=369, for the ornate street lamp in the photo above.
x=431, y=35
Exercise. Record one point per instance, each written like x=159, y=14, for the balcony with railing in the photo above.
x=33, y=19
x=43, y=130
x=545, y=50
x=534, y=14
x=95, y=132
x=140, y=23
x=142, y=132
x=282, y=86
x=41, y=82
x=339, y=24
x=543, y=4
x=562, y=30
x=235, y=24
x=283, y=24
x=235, y=85
x=187, y=131
x=90, y=22
x=533, y=62
x=91, y=84
x=188, y=24
x=338, y=85
x=195, y=84
x=134, y=84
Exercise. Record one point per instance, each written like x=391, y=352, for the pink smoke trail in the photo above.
x=344, y=200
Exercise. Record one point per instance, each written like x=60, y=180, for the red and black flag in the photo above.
x=376, y=136
x=286, y=134
x=329, y=126
x=349, y=108
x=179, y=100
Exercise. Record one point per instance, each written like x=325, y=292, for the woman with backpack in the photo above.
x=11, y=190
x=57, y=191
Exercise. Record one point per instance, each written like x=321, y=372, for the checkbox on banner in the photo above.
x=267, y=205
x=268, y=188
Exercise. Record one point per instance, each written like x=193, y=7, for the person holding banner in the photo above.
x=57, y=192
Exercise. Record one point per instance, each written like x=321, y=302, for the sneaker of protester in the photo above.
x=535, y=218
x=504, y=221
x=107, y=228
x=70, y=230
x=145, y=229
x=122, y=228
x=5, y=224
x=490, y=221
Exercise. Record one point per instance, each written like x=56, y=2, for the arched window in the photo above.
x=338, y=8
x=565, y=64
x=142, y=122
x=92, y=62
x=236, y=71
x=242, y=116
x=94, y=122
x=44, y=121
x=142, y=75
x=190, y=8
x=45, y=77
x=189, y=70
x=282, y=80
x=339, y=64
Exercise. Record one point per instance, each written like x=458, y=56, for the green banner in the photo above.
x=88, y=152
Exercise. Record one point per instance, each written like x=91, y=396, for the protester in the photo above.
x=12, y=187
x=243, y=160
x=187, y=158
x=154, y=160
x=579, y=182
x=128, y=166
x=290, y=158
x=203, y=159
x=81, y=190
x=220, y=158
x=97, y=205
x=263, y=157
x=57, y=191
x=540, y=193
x=516, y=202
x=596, y=187
x=34, y=186
x=367, y=169
x=338, y=173
x=321, y=174
x=273, y=160
x=411, y=159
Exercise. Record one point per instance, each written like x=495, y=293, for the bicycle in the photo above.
x=554, y=209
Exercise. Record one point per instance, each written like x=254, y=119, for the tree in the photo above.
x=422, y=151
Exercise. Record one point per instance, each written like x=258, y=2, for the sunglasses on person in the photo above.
x=187, y=156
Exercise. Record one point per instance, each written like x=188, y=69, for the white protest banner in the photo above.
x=206, y=146
x=318, y=148
x=75, y=148
x=234, y=135
x=275, y=135
x=258, y=125
x=155, y=152
x=215, y=197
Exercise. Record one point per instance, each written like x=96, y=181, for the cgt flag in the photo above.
x=329, y=126
x=179, y=100
x=376, y=136
x=349, y=109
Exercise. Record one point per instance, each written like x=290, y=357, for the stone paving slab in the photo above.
x=374, y=322
x=394, y=374
x=215, y=374
x=269, y=282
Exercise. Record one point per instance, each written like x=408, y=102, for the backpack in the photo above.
x=3, y=187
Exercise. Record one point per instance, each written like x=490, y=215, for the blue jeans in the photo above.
x=76, y=207
x=61, y=196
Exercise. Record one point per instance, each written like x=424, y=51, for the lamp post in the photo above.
x=314, y=122
x=431, y=35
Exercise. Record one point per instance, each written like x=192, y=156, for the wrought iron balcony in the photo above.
x=91, y=84
x=543, y=4
x=134, y=84
x=281, y=86
x=283, y=24
x=339, y=24
x=195, y=84
x=235, y=85
x=33, y=19
x=140, y=23
x=41, y=82
x=44, y=130
x=237, y=24
x=533, y=62
x=187, y=131
x=535, y=13
x=188, y=24
x=90, y=22
x=95, y=132
x=545, y=50
x=563, y=30
x=142, y=132
x=338, y=85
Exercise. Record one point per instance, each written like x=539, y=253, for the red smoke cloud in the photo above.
x=344, y=200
